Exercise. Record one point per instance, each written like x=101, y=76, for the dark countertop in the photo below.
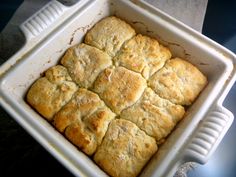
x=21, y=155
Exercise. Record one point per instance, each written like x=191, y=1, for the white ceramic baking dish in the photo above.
x=56, y=27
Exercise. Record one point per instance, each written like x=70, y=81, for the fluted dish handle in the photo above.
x=47, y=19
x=209, y=134
x=43, y=19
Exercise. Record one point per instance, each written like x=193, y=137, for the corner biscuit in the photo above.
x=48, y=94
x=84, y=120
x=109, y=34
x=119, y=87
x=84, y=63
x=125, y=149
x=143, y=54
x=178, y=81
x=154, y=115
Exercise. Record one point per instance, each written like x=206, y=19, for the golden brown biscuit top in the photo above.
x=109, y=34
x=84, y=63
x=143, y=54
x=125, y=149
x=57, y=74
x=154, y=115
x=119, y=87
x=178, y=81
x=48, y=94
x=84, y=120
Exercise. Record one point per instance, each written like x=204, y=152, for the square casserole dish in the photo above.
x=56, y=27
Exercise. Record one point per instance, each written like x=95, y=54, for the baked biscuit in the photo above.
x=119, y=87
x=143, y=54
x=109, y=34
x=48, y=94
x=84, y=63
x=125, y=149
x=154, y=115
x=84, y=120
x=178, y=81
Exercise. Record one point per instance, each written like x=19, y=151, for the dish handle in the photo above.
x=43, y=19
x=41, y=24
x=208, y=135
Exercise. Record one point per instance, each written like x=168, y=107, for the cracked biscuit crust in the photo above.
x=84, y=63
x=154, y=115
x=143, y=54
x=109, y=34
x=178, y=81
x=84, y=120
x=125, y=149
x=119, y=87
x=48, y=94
